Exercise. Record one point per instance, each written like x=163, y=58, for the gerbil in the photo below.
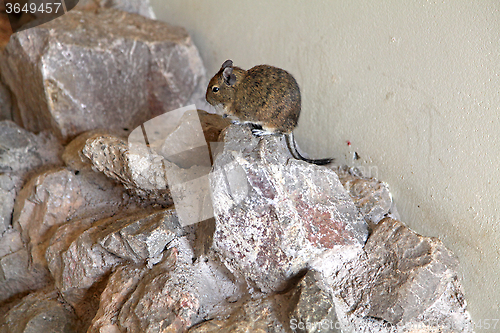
x=264, y=96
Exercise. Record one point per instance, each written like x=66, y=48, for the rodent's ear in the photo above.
x=229, y=77
x=227, y=63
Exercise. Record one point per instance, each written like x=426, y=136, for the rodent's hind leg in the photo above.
x=261, y=132
x=258, y=130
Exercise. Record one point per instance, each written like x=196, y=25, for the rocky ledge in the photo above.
x=291, y=247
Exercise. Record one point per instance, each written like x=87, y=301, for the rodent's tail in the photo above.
x=292, y=147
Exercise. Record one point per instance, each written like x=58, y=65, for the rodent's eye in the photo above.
x=215, y=89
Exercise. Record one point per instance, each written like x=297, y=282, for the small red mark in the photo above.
x=348, y=143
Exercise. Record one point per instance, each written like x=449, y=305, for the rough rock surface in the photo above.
x=371, y=196
x=136, y=166
x=9, y=186
x=120, y=286
x=73, y=156
x=40, y=312
x=402, y=279
x=58, y=195
x=50, y=199
x=10, y=242
x=171, y=296
x=303, y=308
x=21, y=154
x=315, y=309
x=22, y=151
x=83, y=252
x=260, y=315
x=276, y=214
x=110, y=68
x=18, y=274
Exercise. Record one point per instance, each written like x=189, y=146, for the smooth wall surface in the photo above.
x=414, y=86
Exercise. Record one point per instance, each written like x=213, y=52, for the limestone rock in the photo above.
x=160, y=302
x=22, y=151
x=40, y=312
x=73, y=156
x=258, y=315
x=112, y=69
x=18, y=274
x=120, y=286
x=48, y=200
x=371, y=196
x=315, y=309
x=9, y=186
x=82, y=252
x=304, y=308
x=175, y=294
x=10, y=242
x=276, y=214
x=21, y=154
x=136, y=166
x=403, y=279
x=58, y=195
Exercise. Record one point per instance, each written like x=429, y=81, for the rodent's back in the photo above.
x=269, y=96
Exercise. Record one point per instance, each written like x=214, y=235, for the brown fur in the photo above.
x=263, y=95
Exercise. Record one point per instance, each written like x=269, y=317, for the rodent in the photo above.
x=264, y=96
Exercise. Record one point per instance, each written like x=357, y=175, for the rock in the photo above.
x=73, y=155
x=83, y=252
x=58, y=195
x=22, y=151
x=371, y=196
x=137, y=167
x=403, y=279
x=258, y=315
x=160, y=302
x=141, y=7
x=9, y=186
x=113, y=69
x=120, y=286
x=5, y=100
x=274, y=214
x=10, y=242
x=304, y=308
x=175, y=294
x=45, y=202
x=21, y=154
x=18, y=274
x=314, y=310
x=40, y=312
x=171, y=296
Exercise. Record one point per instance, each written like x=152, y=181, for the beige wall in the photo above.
x=413, y=85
